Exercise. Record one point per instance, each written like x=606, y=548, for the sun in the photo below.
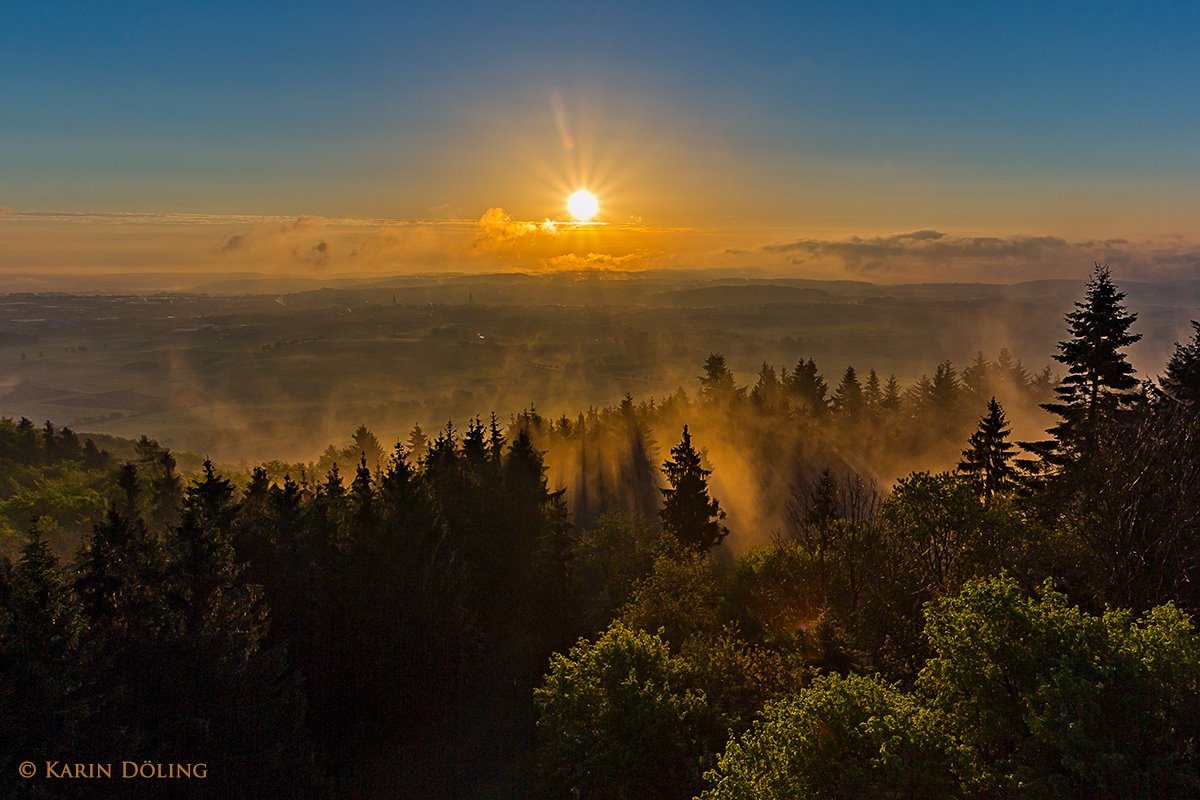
x=583, y=205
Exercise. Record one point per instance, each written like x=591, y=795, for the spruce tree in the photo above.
x=989, y=454
x=891, y=395
x=977, y=377
x=716, y=384
x=807, y=388
x=688, y=512
x=848, y=397
x=945, y=388
x=767, y=391
x=39, y=636
x=366, y=444
x=1099, y=379
x=873, y=392
x=1182, y=381
x=418, y=444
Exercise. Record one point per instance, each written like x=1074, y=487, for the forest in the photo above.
x=812, y=586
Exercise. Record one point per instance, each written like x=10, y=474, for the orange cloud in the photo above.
x=639, y=259
x=497, y=228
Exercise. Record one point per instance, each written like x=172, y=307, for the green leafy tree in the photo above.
x=608, y=558
x=1051, y=702
x=688, y=512
x=843, y=738
x=617, y=720
x=680, y=597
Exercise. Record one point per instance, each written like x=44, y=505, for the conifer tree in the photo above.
x=873, y=392
x=945, y=389
x=39, y=635
x=848, y=397
x=807, y=388
x=365, y=444
x=716, y=384
x=1099, y=379
x=1012, y=371
x=989, y=454
x=891, y=395
x=119, y=569
x=767, y=389
x=688, y=512
x=495, y=441
x=225, y=690
x=1182, y=381
x=976, y=378
x=418, y=443
x=362, y=490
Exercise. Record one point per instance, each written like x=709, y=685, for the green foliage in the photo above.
x=608, y=558
x=738, y=678
x=681, y=596
x=1052, y=702
x=1130, y=532
x=617, y=721
x=843, y=737
x=940, y=531
x=777, y=592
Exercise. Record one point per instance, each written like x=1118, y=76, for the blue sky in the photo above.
x=1075, y=118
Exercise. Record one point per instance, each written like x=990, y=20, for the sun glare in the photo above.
x=583, y=205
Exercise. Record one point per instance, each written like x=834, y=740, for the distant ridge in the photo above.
x=753, y=294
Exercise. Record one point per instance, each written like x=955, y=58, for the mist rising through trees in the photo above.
x=440, y=618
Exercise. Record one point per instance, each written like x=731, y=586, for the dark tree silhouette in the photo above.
x=989, y=454
x=1099, y=379
x=807, y=388
x=848, y=397
x=873, y=392
x=39, y=634
x=716, y=384
x=688, y=512
x=767, y=390
x=1182, y=381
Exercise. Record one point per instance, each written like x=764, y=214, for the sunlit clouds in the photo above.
x=497, y=240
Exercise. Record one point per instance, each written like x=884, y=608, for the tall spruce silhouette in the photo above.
x=688, y=512
x=988, y=457
x=1182, y=381
x=1099, y=379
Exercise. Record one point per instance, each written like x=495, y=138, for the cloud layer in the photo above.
x=931, y=255
x=96, y=244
